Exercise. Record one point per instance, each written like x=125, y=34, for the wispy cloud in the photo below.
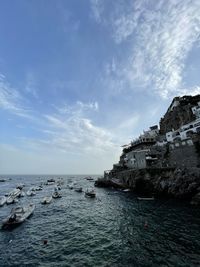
x=11, y=100
x=160, y=36
x=97, y=9
x=71, y=130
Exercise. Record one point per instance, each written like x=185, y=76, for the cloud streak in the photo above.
x=160, y=36
x=11, y=100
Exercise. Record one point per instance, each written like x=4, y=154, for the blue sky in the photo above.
x=80, y=78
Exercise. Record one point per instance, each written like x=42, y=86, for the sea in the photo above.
x=113, y=229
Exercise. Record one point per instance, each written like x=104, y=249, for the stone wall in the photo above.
x=183, y=156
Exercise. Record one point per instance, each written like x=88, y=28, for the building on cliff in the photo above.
x=175, y=144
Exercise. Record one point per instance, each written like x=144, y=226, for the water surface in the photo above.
x=115, y=229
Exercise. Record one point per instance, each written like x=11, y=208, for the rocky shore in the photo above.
x=160, y=182
x=164, y=160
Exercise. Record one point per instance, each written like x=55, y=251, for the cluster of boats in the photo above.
x=88, y=193
x=21, y=213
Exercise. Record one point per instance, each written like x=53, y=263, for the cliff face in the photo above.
x=167, y=167
x=176, y=116
x=166, y=182
x=179, y=183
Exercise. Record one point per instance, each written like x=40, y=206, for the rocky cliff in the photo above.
x=175, y=166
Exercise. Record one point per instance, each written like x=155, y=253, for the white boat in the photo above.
x=20, y=186
x=56, y=194
x=146, y=198
x=90, y=193
x=2, y=201
x=11, y=200
x=126, y=190
x=15, y=193
x=46, y=200
x=38, y=188
x=22, y=194
x=71, y=186
x=30, y=193
x=18, y=215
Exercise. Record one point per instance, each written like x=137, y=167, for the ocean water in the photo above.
x=115, y=229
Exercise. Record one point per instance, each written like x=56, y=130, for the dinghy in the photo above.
x=79, y=190
x=18, y=215
x=2, y=201
x=56, y=194
x=11, y=200
x=46, y=200
x=90, y=193
x=30, y=193
x=15, y=193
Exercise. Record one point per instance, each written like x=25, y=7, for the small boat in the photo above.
x=90, y=193
x=22, y=194
x=20, y=186
x=126, y=190
x=2, y=180
x=46, y=200
x=79, y=189
x=56, y=194
x=30, y=193
x=50, y=181
x=11, y=200
x=146, y=198
x=37, y=188
x=2, y=201
x=71, y=186
x=18, y=215
x=15, y=193
x=89, y=178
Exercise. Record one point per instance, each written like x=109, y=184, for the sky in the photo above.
x=80, y=78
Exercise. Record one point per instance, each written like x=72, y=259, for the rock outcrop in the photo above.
x=165, y=161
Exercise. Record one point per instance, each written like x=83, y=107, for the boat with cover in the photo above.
x=18, y=215
x=2, y=201
x=90, y=193
x=46, y=200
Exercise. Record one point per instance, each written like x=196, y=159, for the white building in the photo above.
x=184, y=132
x=196, y=110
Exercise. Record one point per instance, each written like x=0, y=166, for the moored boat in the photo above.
x=79, y=189
x=71, y=186
x=30, y=193
x=15, y=193
x=46, y=200
x=146, y=198
x=11, y=200
x=126, y=190
x=18, y=215
x=2, y=201
x=20, y=186
x=89, y=178
x=56, y=194
x=90, y=193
